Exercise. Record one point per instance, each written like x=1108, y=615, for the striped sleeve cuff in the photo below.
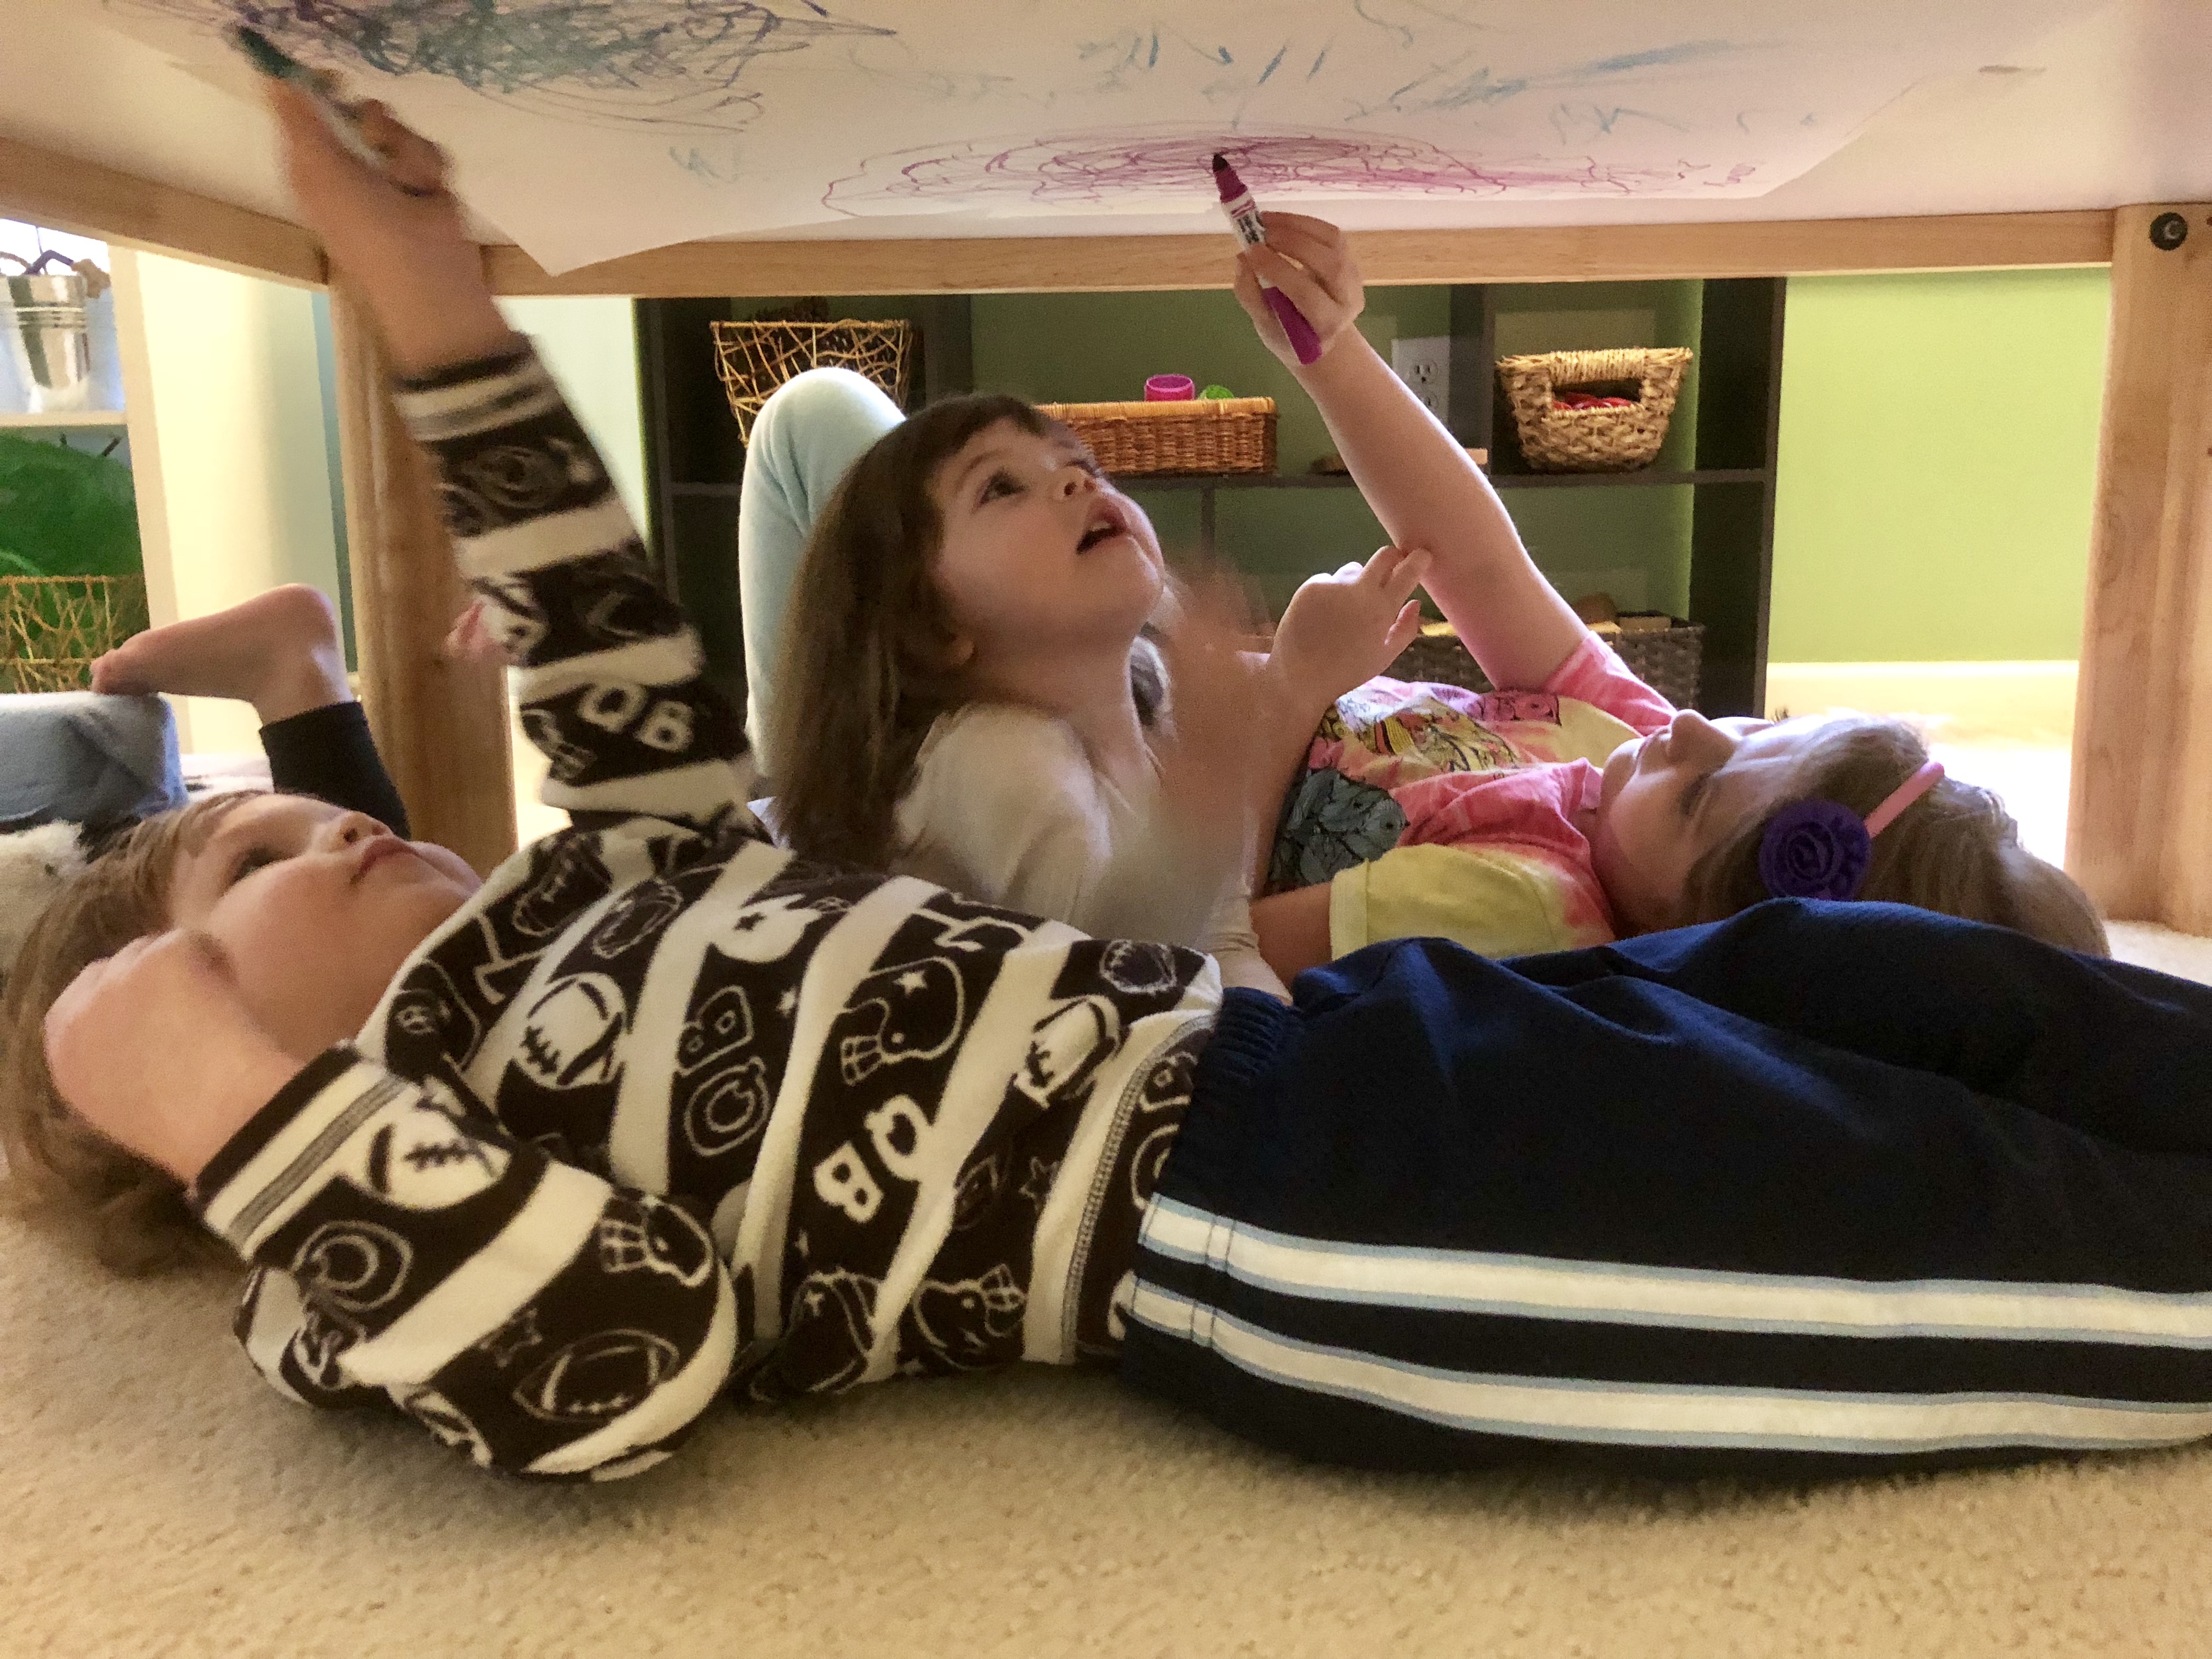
x=479, y=396
x=269, y=1167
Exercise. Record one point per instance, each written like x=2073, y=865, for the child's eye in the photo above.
x=257, y=857
x=1001, y=483
x=1694, y=793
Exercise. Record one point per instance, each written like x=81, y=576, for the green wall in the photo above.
x=1938, y=457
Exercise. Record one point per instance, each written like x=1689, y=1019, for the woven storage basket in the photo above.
x=52, y=627
x=1205, y=434
x=753, y=359
x=1557, y=438
x=1666, y=660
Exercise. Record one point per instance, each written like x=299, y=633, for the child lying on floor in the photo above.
x=279, y=652
x=659, y=1112
x=1585, y=808
x=950, y=694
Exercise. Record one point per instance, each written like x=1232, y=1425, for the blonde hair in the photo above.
x=62, y=1172
x=1955, y=849
x=866, y=662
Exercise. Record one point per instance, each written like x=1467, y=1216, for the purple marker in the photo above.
x=1245, y=213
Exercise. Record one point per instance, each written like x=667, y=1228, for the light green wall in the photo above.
x=1938, y=456
x=227, y=459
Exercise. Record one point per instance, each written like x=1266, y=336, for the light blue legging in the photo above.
x=805, y=438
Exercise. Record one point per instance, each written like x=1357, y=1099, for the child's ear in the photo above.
x=959, y=652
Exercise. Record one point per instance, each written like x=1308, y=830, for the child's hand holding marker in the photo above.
x=392, y=230
x=1310, y=262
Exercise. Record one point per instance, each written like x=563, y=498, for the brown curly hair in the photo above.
x=61, y=1172
x=1955, y=849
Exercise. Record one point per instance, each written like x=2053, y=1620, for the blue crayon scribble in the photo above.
x=697, y=162
x=1467, y=82
x=1575, y=121
x=1272, y=63
x=1687, y=51
x=1405, y=35
x=677, y=62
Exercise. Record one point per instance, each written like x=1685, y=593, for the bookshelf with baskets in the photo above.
x=1720, y=450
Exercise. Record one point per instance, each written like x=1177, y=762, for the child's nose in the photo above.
x=1692, y=737
x=355, y=828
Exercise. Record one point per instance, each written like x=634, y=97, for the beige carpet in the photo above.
x=158, y=1500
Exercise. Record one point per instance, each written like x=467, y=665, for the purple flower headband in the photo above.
x=1817, y=848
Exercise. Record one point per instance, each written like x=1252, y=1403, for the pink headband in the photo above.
x=1903, y=796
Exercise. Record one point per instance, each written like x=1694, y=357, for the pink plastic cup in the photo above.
x=1170, y=389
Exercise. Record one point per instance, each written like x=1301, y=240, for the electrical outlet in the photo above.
x=1424, y=363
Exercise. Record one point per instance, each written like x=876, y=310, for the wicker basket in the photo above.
x=1665, y=659
x=753, y=359
x=1206, y=434
x=52, y=627
x=1557, y=438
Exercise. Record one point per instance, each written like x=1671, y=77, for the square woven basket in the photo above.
x=1200, y=435
x=754, y=359
x=1666, y=660
x=1557, y=438
x=52, y=627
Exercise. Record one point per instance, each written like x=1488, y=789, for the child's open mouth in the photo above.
x=1100, y=530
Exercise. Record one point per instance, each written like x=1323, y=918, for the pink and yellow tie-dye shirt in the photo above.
x=1434, y=810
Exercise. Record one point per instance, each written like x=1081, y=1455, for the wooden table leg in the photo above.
x=442, y=727
x=2139, y=832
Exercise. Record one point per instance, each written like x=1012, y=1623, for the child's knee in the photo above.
x=824, y=401
x=811, y=430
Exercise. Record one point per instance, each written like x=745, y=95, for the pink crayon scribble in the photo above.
x=1111, y=166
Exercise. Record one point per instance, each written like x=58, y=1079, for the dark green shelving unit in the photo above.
x=694, y=460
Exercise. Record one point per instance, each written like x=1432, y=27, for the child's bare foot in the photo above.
x=279, y=651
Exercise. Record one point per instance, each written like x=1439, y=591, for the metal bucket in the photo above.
x=51, y=341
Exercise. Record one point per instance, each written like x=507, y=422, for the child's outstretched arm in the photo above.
x=612, y=687
x=1419, y=482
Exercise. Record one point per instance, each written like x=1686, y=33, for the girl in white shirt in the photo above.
x=958, y=686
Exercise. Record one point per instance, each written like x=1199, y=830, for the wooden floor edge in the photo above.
x=65, y=193
x=1533, y=254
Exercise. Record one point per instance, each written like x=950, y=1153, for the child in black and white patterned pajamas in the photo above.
x=657, y=1112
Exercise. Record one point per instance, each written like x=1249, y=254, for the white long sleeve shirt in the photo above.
x=1007, y=806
